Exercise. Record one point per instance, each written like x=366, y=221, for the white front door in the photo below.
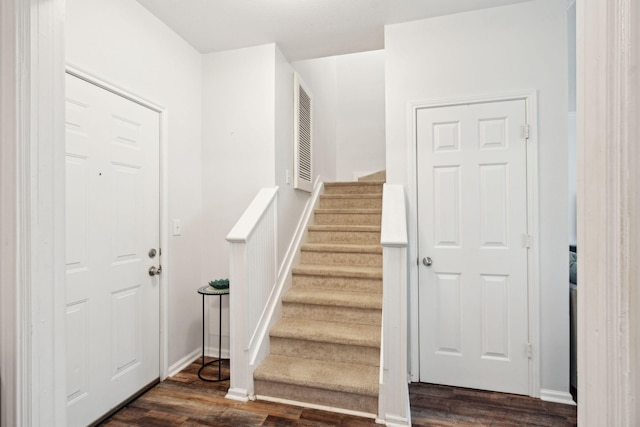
x=112, y=209
x=472, y=222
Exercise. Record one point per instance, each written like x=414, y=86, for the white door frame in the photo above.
x=530, y=99
x=608, y=107
x=164, y=199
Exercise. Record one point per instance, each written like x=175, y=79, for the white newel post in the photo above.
x=394, y=389
x=252, y=276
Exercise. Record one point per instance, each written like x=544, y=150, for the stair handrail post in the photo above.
x=393, y=400
x=256, y=226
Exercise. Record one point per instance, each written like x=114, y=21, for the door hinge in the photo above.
x=526, y=240
x=525, y=131
x=529, y=350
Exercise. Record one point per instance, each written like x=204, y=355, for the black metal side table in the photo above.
x=206, y=291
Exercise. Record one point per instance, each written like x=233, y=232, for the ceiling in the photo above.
x=302, y=29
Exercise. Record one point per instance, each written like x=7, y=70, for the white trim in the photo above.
x=283, y=280
x=14, y=256
x=245, y=225
x=557, y=397
x=165, y=259
x=393, y=401
x=530, y=98
x=314, y=406
x=181, y=364
x=212, y=351
x=300, y=232
x=45, y=217
x=105, y=84
x=608, y=105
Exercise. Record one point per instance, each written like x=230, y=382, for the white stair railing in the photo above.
x=252, y=276
x=393, y=406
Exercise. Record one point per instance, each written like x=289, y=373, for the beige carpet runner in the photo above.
x=326, y=348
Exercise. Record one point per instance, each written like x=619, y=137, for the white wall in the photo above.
x=360, y=124
x=349, y=117
x=122, y=43
x=320, y=76
x=237, y=154
x=518, y=47
x=237, y=143
x=291, y=202
x=572, y=165
x=247, y=145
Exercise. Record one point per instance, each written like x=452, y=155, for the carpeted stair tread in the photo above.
x=344, y=228
x=342, y=248
x=350, y=183
x=339, y=271
x=333, y=332
x=352, y=196
x=333, y=298
x=349, y=211
x=321, y=374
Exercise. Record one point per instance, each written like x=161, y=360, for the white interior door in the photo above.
x=112, y=208
x=472, y=222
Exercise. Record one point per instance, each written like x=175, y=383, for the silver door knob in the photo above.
x=153, y=271
x=427, y=261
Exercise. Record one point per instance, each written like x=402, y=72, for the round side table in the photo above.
x=208, y=291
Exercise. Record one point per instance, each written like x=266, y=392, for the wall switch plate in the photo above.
x=287, y=176
x=177, y=227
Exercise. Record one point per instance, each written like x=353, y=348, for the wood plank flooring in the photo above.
x=185, y=400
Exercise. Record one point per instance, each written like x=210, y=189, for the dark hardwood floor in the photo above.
x=185, y=400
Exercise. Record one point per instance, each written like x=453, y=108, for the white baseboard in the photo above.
x=237, y=394
x=557, y=396
x=213, y=352
x=184, y=362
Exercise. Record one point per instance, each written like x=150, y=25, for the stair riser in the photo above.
x=353, y=402
x=332, y=314
x=321, y=218
x=354, y=188
x=353, y=237
x=325, y=351
x=368, y=203
x=338, y=283
x=341, y=258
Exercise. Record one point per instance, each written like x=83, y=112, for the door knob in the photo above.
x=153, y=271
x=427, y=261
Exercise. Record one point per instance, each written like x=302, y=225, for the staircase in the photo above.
x=326, y=348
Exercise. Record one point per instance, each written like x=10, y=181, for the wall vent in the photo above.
x=303, y=136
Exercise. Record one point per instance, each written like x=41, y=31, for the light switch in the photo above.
x=177, y=227
x=287, y=176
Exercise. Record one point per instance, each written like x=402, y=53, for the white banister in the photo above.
x=252, y=276
x=393, y=406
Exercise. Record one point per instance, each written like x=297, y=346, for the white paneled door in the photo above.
x=472, y=222
x=112, y=208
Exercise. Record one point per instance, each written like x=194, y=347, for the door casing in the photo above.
x=530, y=99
